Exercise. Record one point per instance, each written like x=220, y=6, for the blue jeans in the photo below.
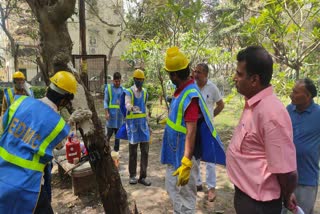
x=210, y=175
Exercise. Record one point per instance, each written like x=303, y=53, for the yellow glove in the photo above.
x=183, y=171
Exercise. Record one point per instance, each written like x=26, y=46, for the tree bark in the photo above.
x=56, y=47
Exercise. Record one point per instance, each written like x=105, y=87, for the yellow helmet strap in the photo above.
x=58, y=96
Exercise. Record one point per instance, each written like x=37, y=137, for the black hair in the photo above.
x=56, y=98
x=258, y=61
x=182, y=74
x=204, y=66
x=310, y=86
x=116, y=75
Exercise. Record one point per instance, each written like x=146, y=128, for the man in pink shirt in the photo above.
x=261, y=160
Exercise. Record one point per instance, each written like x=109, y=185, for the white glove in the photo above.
x=83, y=118
x=135, y=109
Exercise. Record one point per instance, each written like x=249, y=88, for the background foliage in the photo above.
x=214, y=31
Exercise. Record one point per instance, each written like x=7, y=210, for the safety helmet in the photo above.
x=138, y=74
x=175, y=60
x=18, y=75
x=65, y=81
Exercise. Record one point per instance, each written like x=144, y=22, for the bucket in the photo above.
x=115, y=158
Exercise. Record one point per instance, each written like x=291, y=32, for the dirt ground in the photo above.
x=153, y=199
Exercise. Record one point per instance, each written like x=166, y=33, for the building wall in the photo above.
x=99, y=38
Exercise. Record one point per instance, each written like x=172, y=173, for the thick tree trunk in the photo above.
x=56, y=47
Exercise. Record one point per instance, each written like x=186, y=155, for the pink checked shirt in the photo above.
x=261, y=146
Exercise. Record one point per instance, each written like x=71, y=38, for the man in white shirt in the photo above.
x=212, y=96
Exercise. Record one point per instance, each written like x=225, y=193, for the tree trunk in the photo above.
x=297, y=69
x=56, y=47
x=15, y=57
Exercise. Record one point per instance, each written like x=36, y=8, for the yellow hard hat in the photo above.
x=138, y=74
x=65, y=81
x=18, y=75
x=175, y=60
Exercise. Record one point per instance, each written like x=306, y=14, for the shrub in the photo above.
x=39, y=91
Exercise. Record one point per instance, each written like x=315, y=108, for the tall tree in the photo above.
x=56, y=46
x=289, y=28
x=7, y=8
x=164, y=19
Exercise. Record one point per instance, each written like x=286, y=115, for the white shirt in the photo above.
x=211, y=95
x=128, y=98
x=48, y=102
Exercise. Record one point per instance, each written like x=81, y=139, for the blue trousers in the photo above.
x=47, y=180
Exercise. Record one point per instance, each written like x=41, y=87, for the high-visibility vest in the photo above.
x=31, y=131
x=112, y=100
x=9, y=95
x=211, y=147
x=113, y=105
x=140, y=102
x=136, y=123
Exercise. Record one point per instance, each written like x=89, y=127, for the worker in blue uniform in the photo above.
x=114, y=117
x=20, y=88
x=137, y=128
x=32, y=129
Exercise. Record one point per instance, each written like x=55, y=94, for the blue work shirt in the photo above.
x=115, y=115
x=306, y=137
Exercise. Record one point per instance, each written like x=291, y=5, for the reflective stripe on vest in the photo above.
x=11, y=96
x=131, y=115
x=44, y=145
x=177, y=126
x=214, y=132
x=13, y=159
x=110, y=98
x=34, y=164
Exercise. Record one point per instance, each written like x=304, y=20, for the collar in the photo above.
x=181, y=87
x=203, y=85
x=309, y=109
x=19, y=92
x=259, y=96
x=48, y=102
x=114, y=86
x=134, y=88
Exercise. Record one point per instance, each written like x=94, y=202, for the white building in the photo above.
x=99, y=38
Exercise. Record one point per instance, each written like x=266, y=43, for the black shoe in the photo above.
x=144, y=182
x=199, y=188
x=133, y=180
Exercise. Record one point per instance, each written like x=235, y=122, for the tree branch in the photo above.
x=289, y=14
x=96, y=13
x=309, y=50
x=203, y=40
x=6, y=31
x=65, y=9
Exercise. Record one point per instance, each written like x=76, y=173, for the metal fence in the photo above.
x=96, y=66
